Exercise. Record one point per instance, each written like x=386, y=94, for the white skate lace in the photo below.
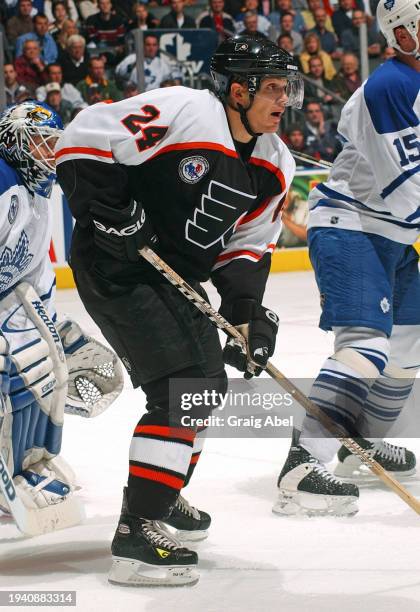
x=158, y=536
x=390, y=451
x=324, y=473
x=186, y=508
x=42, y=484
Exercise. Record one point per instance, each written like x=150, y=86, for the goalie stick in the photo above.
x=336, y=430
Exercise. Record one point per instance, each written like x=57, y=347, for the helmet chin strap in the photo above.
x=244, y=118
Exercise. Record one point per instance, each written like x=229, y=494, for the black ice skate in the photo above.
x=191, y=524
x=306, y=487
x=145, y=554
x=397, y=460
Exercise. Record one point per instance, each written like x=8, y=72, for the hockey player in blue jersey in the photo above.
x=362, y=224
x=40, y=367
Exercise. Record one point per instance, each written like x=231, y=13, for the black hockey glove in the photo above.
x=259, y=325
x=121, y=233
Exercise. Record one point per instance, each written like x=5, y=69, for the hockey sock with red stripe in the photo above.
x=160, y=456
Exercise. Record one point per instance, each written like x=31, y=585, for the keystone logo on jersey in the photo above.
x=192, y=169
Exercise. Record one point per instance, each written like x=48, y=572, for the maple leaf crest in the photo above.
x=13, y=262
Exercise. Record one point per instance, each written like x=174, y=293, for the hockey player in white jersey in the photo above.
x=32, y=354
x=362, y=224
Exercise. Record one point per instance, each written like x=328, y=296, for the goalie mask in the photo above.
x=28, y=133
x=246, y=59
x=392, y=14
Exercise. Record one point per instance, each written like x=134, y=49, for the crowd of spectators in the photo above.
x=73, y=53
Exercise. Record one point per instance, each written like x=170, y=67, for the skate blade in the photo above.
x=130, y=572
x=191, y=536
x=362, y=474
x=309, y=504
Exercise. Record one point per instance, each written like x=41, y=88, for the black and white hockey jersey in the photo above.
x=214, y=213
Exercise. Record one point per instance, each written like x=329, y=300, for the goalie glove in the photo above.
x=259, y=326
x=95, y=373
x=122, y=233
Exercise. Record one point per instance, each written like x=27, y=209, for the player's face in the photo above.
x=42, y=149
x=269, y=105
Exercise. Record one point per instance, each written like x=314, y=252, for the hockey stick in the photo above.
x=322, y=163
x=336, y=430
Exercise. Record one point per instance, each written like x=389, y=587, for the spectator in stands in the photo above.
x=285, y=42
x=56, y=101
x=11, y=83
x=75, y=60
x=312, y=47
x=286, y=27
x=49, y=51
x=216, y=19
x=168, y=83
x=68, y=91
x=60, y=15
x=130, y=90
x=294, y=137
x=285, y=6
x=124, y=8
x=69, y=6
x=21, y=23
x=341, y=18
x=96, y=76
x=309, y=17
x=107, y=30
x=348, y=78
x=388, y=53
x=294, y=216
x=232, y=7
x=143, y=19
x=95, y=94
x=264, y=25
x=320, y=134
x=69, y=28
x=156, y=68
x=251, y=25
x=317, y=74
x=177, y=17
x=328, y=39
x=29, y=66
x=350, y=38
x=87, y=8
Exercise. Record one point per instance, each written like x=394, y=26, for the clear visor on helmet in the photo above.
x=287, y=90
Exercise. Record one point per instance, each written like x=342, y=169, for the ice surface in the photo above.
x=252, y=560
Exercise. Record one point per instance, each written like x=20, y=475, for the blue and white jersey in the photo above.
x=25, y=234
x=374, y=185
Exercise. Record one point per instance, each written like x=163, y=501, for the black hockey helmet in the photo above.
x=251, y=59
